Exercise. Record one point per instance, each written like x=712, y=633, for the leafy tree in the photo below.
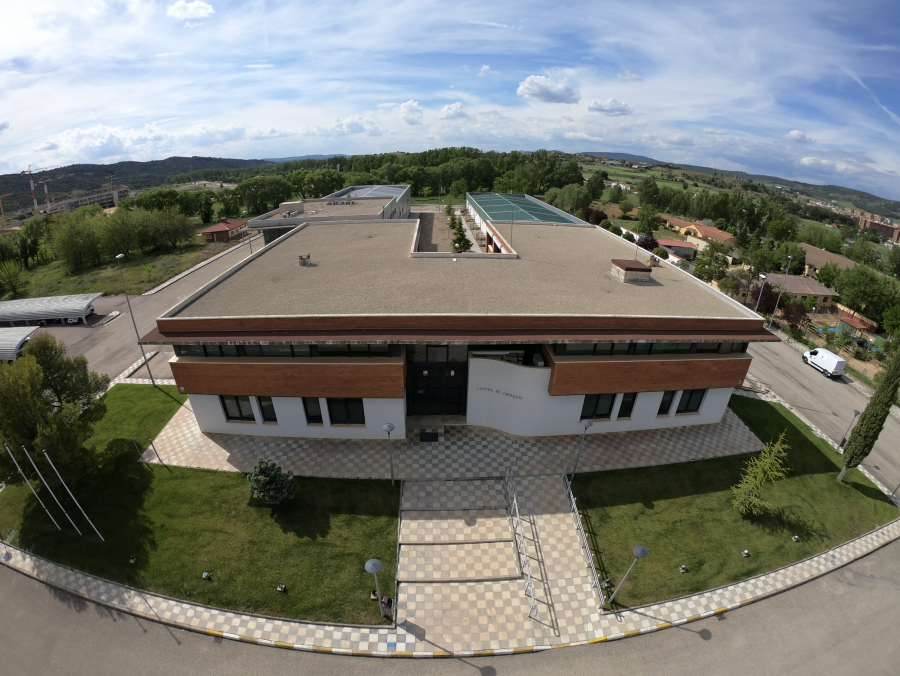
x=33, y=233
x=650, y=221
x=156, y=198
x=711, y=263
x=461, y=241
x=271, y=484
x=858, y=287
x=567, y=174
x=828, y=274
x=762, y=469
x=871, y=422
x=627, y=236
x=595, y=186
x=119, y=232
x=625, y=206
x=661, y=253
x=893, y=261
x=783, y=229
x=729, y=286
x=169, y=226
x=230, y=201
x=890, y=320
x=648, y=192
x=797, y=254
x=616, y=194
x=794, y=313
x=459, y=188
x=76, y=239
x=573, y=197
x=264, y=193
x=606, y=224
x=205, y=206
x=188, y=202
x=862, y=252
x=11, y=276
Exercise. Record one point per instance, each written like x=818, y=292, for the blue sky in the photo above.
x=808, y=90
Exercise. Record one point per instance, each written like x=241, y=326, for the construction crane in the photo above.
x=1, y=207
x=33, y=196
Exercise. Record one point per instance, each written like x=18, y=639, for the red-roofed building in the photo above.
x=224, y=231
x=686, y=250
x=705, y=233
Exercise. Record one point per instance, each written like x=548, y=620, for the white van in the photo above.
x=827, y=362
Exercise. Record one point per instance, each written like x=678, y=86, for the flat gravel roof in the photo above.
x=365, y=268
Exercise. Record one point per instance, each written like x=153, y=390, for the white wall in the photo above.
x=292, y=419
x=514, y=399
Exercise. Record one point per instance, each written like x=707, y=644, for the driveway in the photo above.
x=827, y=403
x=111, y=348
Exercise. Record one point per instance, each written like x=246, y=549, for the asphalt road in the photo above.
x=827, y=403
x=111, y=348
x=843, y=623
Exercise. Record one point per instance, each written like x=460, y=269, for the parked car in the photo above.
x=827, y=362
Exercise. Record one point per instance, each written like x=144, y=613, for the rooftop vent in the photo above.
x=305, y=260
x=630, y=271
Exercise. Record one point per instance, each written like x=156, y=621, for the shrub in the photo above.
x=662, y=253
x=764, y=468
x=269, y=483
x=627, y=236
x=606, y=224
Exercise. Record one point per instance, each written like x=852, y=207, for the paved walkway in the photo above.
x=461, y=452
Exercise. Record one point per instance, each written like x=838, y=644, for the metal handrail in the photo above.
x=512, y=508
x=579, y=526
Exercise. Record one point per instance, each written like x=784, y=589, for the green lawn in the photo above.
x=180, y=522
x=658, y=234
x=142, y=273
x=683, y=514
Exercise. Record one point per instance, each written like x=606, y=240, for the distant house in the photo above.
x=816, y=258
x=682, y=249
x=704, y=233
x=224, y=231
x=803, y=288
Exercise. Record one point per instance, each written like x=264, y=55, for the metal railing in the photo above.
x=585, y=549
x=512, y=507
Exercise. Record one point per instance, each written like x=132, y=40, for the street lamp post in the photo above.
x=119, y=258
x=762, y=276
x=844, y=438
x=389, y=427
x=586, y=424
x=373, y=566
x=640, y=552
x=780, y=290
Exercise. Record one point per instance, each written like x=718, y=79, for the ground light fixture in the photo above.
x=640, y=552
x=119, y=258
x=207, y=575
x=586, y=424
x=373, y=566
x=389, y=427
x=795, y=538
x=132, y=560
x=746, y=553
x=281, y=588
x=682, y=568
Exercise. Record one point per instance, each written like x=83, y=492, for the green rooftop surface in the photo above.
x=498, y=207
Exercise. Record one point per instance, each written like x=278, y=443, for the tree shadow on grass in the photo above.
x=778, y=521
x=308, y=514
x=112, y=494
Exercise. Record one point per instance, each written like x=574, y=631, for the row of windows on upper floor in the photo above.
x=452, y=353
x=622, y=349
x=341, y=411
x=600, y=406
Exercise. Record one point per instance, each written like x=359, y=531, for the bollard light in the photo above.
x=746, y=553
x=281, y=588
x=795, y=538
x=206, y=575
x=682, y=568
x=132, y=559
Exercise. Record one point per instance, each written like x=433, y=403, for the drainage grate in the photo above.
x=428, y=436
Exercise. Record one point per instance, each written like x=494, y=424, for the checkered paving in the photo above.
x=462, y=452
x=459, y=525
x=447, y=562
x=453, y=495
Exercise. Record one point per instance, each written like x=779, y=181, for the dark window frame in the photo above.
x=237, y=400
x=313, y=418
x=595, y=408
x=629, y=399
x=691, y=401
x=346, y=409
x=267, y=408
x=665, y=404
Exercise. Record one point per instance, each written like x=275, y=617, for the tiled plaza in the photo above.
x=462, y=452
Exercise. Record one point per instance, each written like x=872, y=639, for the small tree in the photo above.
x=764, y=296
x=729, y=286
x=449, y=208
x=269, y=483
x=866, y=432
x=627, y=236
x=711, y=263
x=767, y=467
x=661, y=253
x=11, y=276
x=625, y=206
x=829, y=273
x=794, y=314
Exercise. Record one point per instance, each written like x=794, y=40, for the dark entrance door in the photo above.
x=436, y=385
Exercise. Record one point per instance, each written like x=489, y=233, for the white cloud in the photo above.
x=485, y=70
x=489, y=24
x=453, y=111
x=4, y=126
x=192, y=24
x=48, y=145
x=612, y=107
x=681, y=140
x=196, y=9
x=798, y=136
x=411, y=112
x=581, y=136
x=628, y=76
x=544, y=89
x=259, y=65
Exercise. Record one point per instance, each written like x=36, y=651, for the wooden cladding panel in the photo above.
x=599, y=377
x=453, y=322
x=291, y=379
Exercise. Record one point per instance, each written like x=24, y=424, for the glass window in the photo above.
x=191, y=351
x=237, y=407
x=379, y=350
x=359, y=350
x=212, y=350
x=300, y=350
x=346, y=412
x=620, y=348
x=229, y=350
x=457, y=353
x=604, y=348
x=725, y=348
x=666, y=404
x=580, y=348
x=743, y=347
x=277, y=350
x=685, y=348
x=313, y=410
x=707, y=347
x=627, y=405
x=267, y=408
x=437, y=354
x=642, y=348
x=251, y=351
x=665, y=348
x=597, y=406
x=333, y=351
x=690, y=401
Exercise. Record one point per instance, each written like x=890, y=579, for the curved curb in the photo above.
x=880, y=536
